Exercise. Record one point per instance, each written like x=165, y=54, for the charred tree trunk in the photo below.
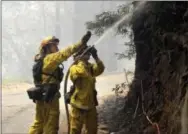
x=161, y=39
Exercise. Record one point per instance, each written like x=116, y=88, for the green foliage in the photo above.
x=102, y=22
x=105, y=20
x=122, y=87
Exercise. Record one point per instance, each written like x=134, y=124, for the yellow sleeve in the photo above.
x=98, y=68
x=77, y=71
x=53, y=60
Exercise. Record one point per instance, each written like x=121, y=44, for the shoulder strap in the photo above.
x=91, y=70
x=51, y=75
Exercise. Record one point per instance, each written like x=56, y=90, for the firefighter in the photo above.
x=83, y=101
x=47, y=113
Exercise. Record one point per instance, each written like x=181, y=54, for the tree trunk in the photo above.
x=160, y=36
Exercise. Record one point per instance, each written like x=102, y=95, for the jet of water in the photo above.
x=124, y=19
x=111, y=29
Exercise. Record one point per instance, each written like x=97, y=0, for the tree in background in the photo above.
x=24, y=24
x=22, y=33
x=106, y=19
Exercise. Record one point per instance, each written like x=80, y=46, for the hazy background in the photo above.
x=25, y=24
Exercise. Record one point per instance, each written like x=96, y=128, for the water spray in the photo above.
x=124, y=19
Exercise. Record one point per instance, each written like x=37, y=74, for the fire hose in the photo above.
x=65, y=86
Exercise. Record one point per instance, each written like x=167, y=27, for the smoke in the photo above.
x=21, y=35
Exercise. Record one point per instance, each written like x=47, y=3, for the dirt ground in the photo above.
x=18, y=111
x=12, y=87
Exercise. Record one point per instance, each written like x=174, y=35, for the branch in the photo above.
x=126, y=76
x=138, y=100
x=106, y=19
x=144, y=112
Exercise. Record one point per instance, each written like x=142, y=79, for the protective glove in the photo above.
x=93, y=52
x=86, y=37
